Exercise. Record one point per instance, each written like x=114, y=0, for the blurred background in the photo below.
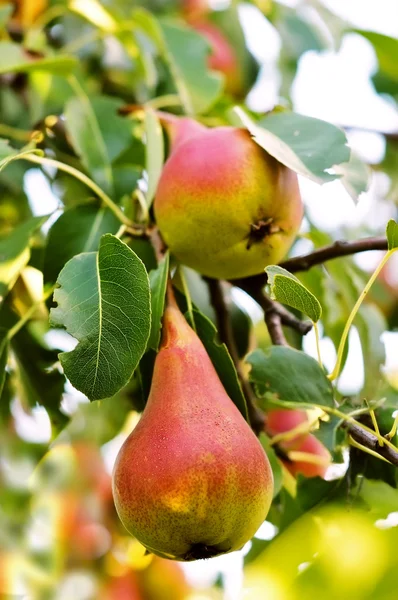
x=60, y=538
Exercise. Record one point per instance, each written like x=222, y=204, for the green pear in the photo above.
x=223, y=205
x=192, y=480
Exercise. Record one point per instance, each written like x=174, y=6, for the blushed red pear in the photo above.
x=224, y=206
x=192, y=480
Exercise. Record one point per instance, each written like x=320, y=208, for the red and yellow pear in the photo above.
x=224, y=206
x=315, y=458
x=192, y=480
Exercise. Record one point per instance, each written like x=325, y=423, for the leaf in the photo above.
x=290, y=377
x=378, y=495
x=3, y=357
x=286, y=288
x=305, y=145
x=355, y=176
x=77, y=230
x=221, y=360
x=104, y=302
x=6, y=150
x=98, y=134
x=274, y=461
x=154, y=153
x=386, y=49
x=95, y=13
x=39, y=380
x=186, y=53
x=15, y=252
x=392, y=234
x=15, y=59
x=158, y=280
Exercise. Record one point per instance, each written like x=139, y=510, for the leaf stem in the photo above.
x=16, y=134
x=84, y=179
x=336, y=371
x=25, y=318
x=318, y=347
x=367, y=450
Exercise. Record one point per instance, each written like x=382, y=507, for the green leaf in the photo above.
x=158, y=280
x=98, y=134
x=275, y=463
x=15, y=252
x=386, y=49
x=15, y=59
x=3, y=357
x=392, y=234
x=154, y=153
x=289, y=377
x=78, y=229
x=104, y=302
x=186, y=54
x=221, y=360
x=305, y=145
x=38, y=378
x=286, y=288
x=355, y=176
x=95, y=13
x=6, y=150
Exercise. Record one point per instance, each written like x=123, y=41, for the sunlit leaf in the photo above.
x=392, y=234
x=306, y=145
x=15, y=59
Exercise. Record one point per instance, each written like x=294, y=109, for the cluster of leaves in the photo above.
x=80, y=85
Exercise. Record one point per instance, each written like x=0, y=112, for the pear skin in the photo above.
x=192, y=480
x=224, y=206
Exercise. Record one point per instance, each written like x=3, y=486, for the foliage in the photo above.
x=82, y=291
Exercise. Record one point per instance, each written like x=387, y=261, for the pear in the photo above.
x=223, y=205
x=191, y=481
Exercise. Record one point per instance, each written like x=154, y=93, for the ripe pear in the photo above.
x=224, y=206
x=192, y=480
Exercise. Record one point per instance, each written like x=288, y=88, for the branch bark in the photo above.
x=335, y=250
x=370, y=441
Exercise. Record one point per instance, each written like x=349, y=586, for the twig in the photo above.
x=275, y=314
x=335, y=250
x=370, y=441
x=224, y=327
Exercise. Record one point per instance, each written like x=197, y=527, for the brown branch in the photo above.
x=224, y=327
x=335, y=250
x=275, y=314
x=370, y=441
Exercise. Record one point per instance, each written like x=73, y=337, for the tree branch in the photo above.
x=335, y=250
x=370, y=441
x=275, y=314
x=224, y=327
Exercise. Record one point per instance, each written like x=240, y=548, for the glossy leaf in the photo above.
x=154, y=153
x=104, y=302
